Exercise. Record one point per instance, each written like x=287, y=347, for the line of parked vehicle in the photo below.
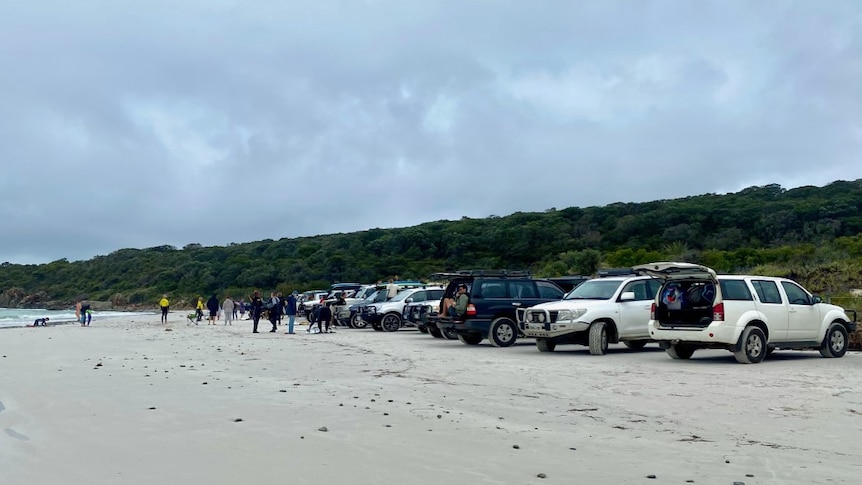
x=683, y=307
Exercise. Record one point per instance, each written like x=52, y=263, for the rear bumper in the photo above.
x=716, y=334
x=468, y=326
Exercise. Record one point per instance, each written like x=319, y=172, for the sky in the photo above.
x=130, y=124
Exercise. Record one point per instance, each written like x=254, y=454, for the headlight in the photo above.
x=565, y=315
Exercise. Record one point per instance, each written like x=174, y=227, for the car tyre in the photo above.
x=422, y=328
x=598, y=338
x=435, y=332
x=545, y=345
x=391, y=322
x=448, y=334
x=753, y=346
x=357, y=321
x=377, y=327
x=635, y=344
x=503, y=332
x=835, y=342
x=680, y=351
x=470, y=339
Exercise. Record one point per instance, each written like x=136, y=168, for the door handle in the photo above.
x=516, y=303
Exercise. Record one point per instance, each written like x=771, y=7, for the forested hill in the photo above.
x=811, y=233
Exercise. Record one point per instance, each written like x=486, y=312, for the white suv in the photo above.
x=598, y=311
x=749, y=315
x=387, y=315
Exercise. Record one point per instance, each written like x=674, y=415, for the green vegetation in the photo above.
x=810, y=234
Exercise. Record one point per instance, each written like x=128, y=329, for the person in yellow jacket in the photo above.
x=199, y=308
x=165, y=305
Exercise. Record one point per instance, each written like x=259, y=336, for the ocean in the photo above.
x=19, y=317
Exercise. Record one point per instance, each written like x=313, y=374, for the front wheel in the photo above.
x=836, y=341
x=545, y=345
x=598, y=338
x=357, y=321
x=470, y=339
x=503, y=332
x=422, y=328
x=391, y=322
x=435, y=332
x=376, y=326
x=753, y=349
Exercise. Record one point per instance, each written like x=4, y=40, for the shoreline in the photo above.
x=134, y=401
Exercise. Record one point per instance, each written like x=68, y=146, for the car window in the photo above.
x=418, y=296
x=653, y=285
x=548, y=290
x=767, y=291
x=795, y=294
x=491, y=289
x=522, y=289
x=641, y=290
x=734, y=290
x=435, y=294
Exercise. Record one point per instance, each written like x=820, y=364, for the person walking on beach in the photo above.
x=199, y=309
x=165, y=305
x=228, y=308
x=290, y=310
x=256, y=309
x=241, y=308
x=83, y=312
x=281, y=304
x=324, y=315
x=213, y=306
x=235, y=308
x=274, y=310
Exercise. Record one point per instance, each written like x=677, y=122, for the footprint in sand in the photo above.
x=18, y=436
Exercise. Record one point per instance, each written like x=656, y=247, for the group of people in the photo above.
x=275, y=307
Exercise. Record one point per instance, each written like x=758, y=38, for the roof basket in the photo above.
x=614, y=272
x=475, y=273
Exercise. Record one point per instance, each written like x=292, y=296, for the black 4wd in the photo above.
x=494, y=297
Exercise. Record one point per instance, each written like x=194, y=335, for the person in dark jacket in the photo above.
x=255, y=309
x=274, y=310
x=213, y=306
x=290, y=311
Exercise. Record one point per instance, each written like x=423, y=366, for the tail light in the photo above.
x=471, y=310
x=652, y=311
x=718, y=312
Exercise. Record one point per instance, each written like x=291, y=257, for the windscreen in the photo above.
x=594, y=290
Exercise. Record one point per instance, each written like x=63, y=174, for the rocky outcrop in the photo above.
x=11, y=297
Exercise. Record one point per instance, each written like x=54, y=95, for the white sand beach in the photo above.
x=128, y=402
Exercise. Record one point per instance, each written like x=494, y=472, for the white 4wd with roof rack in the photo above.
x=749, y=315
x=598, y=311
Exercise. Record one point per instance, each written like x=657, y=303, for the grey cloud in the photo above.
x=137, y=125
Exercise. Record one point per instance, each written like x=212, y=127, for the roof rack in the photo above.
x=614, y=272
x=495, y=273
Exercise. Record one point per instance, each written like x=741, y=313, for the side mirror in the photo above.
x=408, y=300
x=627, y=296
x=816, y=299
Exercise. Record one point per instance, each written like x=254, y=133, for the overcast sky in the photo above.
x=132, y=124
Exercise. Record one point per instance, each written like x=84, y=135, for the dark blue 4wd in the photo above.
x=494, y=297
